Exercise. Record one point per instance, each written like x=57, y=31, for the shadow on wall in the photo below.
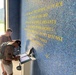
x=27, y=44
x=36, y=68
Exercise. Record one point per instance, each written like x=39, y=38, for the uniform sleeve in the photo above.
x=9, y=52
x=1, y=40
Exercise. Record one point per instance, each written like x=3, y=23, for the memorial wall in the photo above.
x=50, y=27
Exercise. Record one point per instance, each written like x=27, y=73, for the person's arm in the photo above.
x=1, y=39
x=9, y=54
x=16, y=58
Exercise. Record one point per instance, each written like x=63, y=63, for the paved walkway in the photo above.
x=15, y=72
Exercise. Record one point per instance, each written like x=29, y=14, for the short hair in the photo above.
x=9, y=29
x=18, y=42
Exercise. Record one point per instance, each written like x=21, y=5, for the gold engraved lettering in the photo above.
x=55, y=5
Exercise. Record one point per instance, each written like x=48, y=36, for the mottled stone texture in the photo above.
x=50, y=27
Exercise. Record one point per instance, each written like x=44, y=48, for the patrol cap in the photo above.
x=18, y=42
x=9, y=29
